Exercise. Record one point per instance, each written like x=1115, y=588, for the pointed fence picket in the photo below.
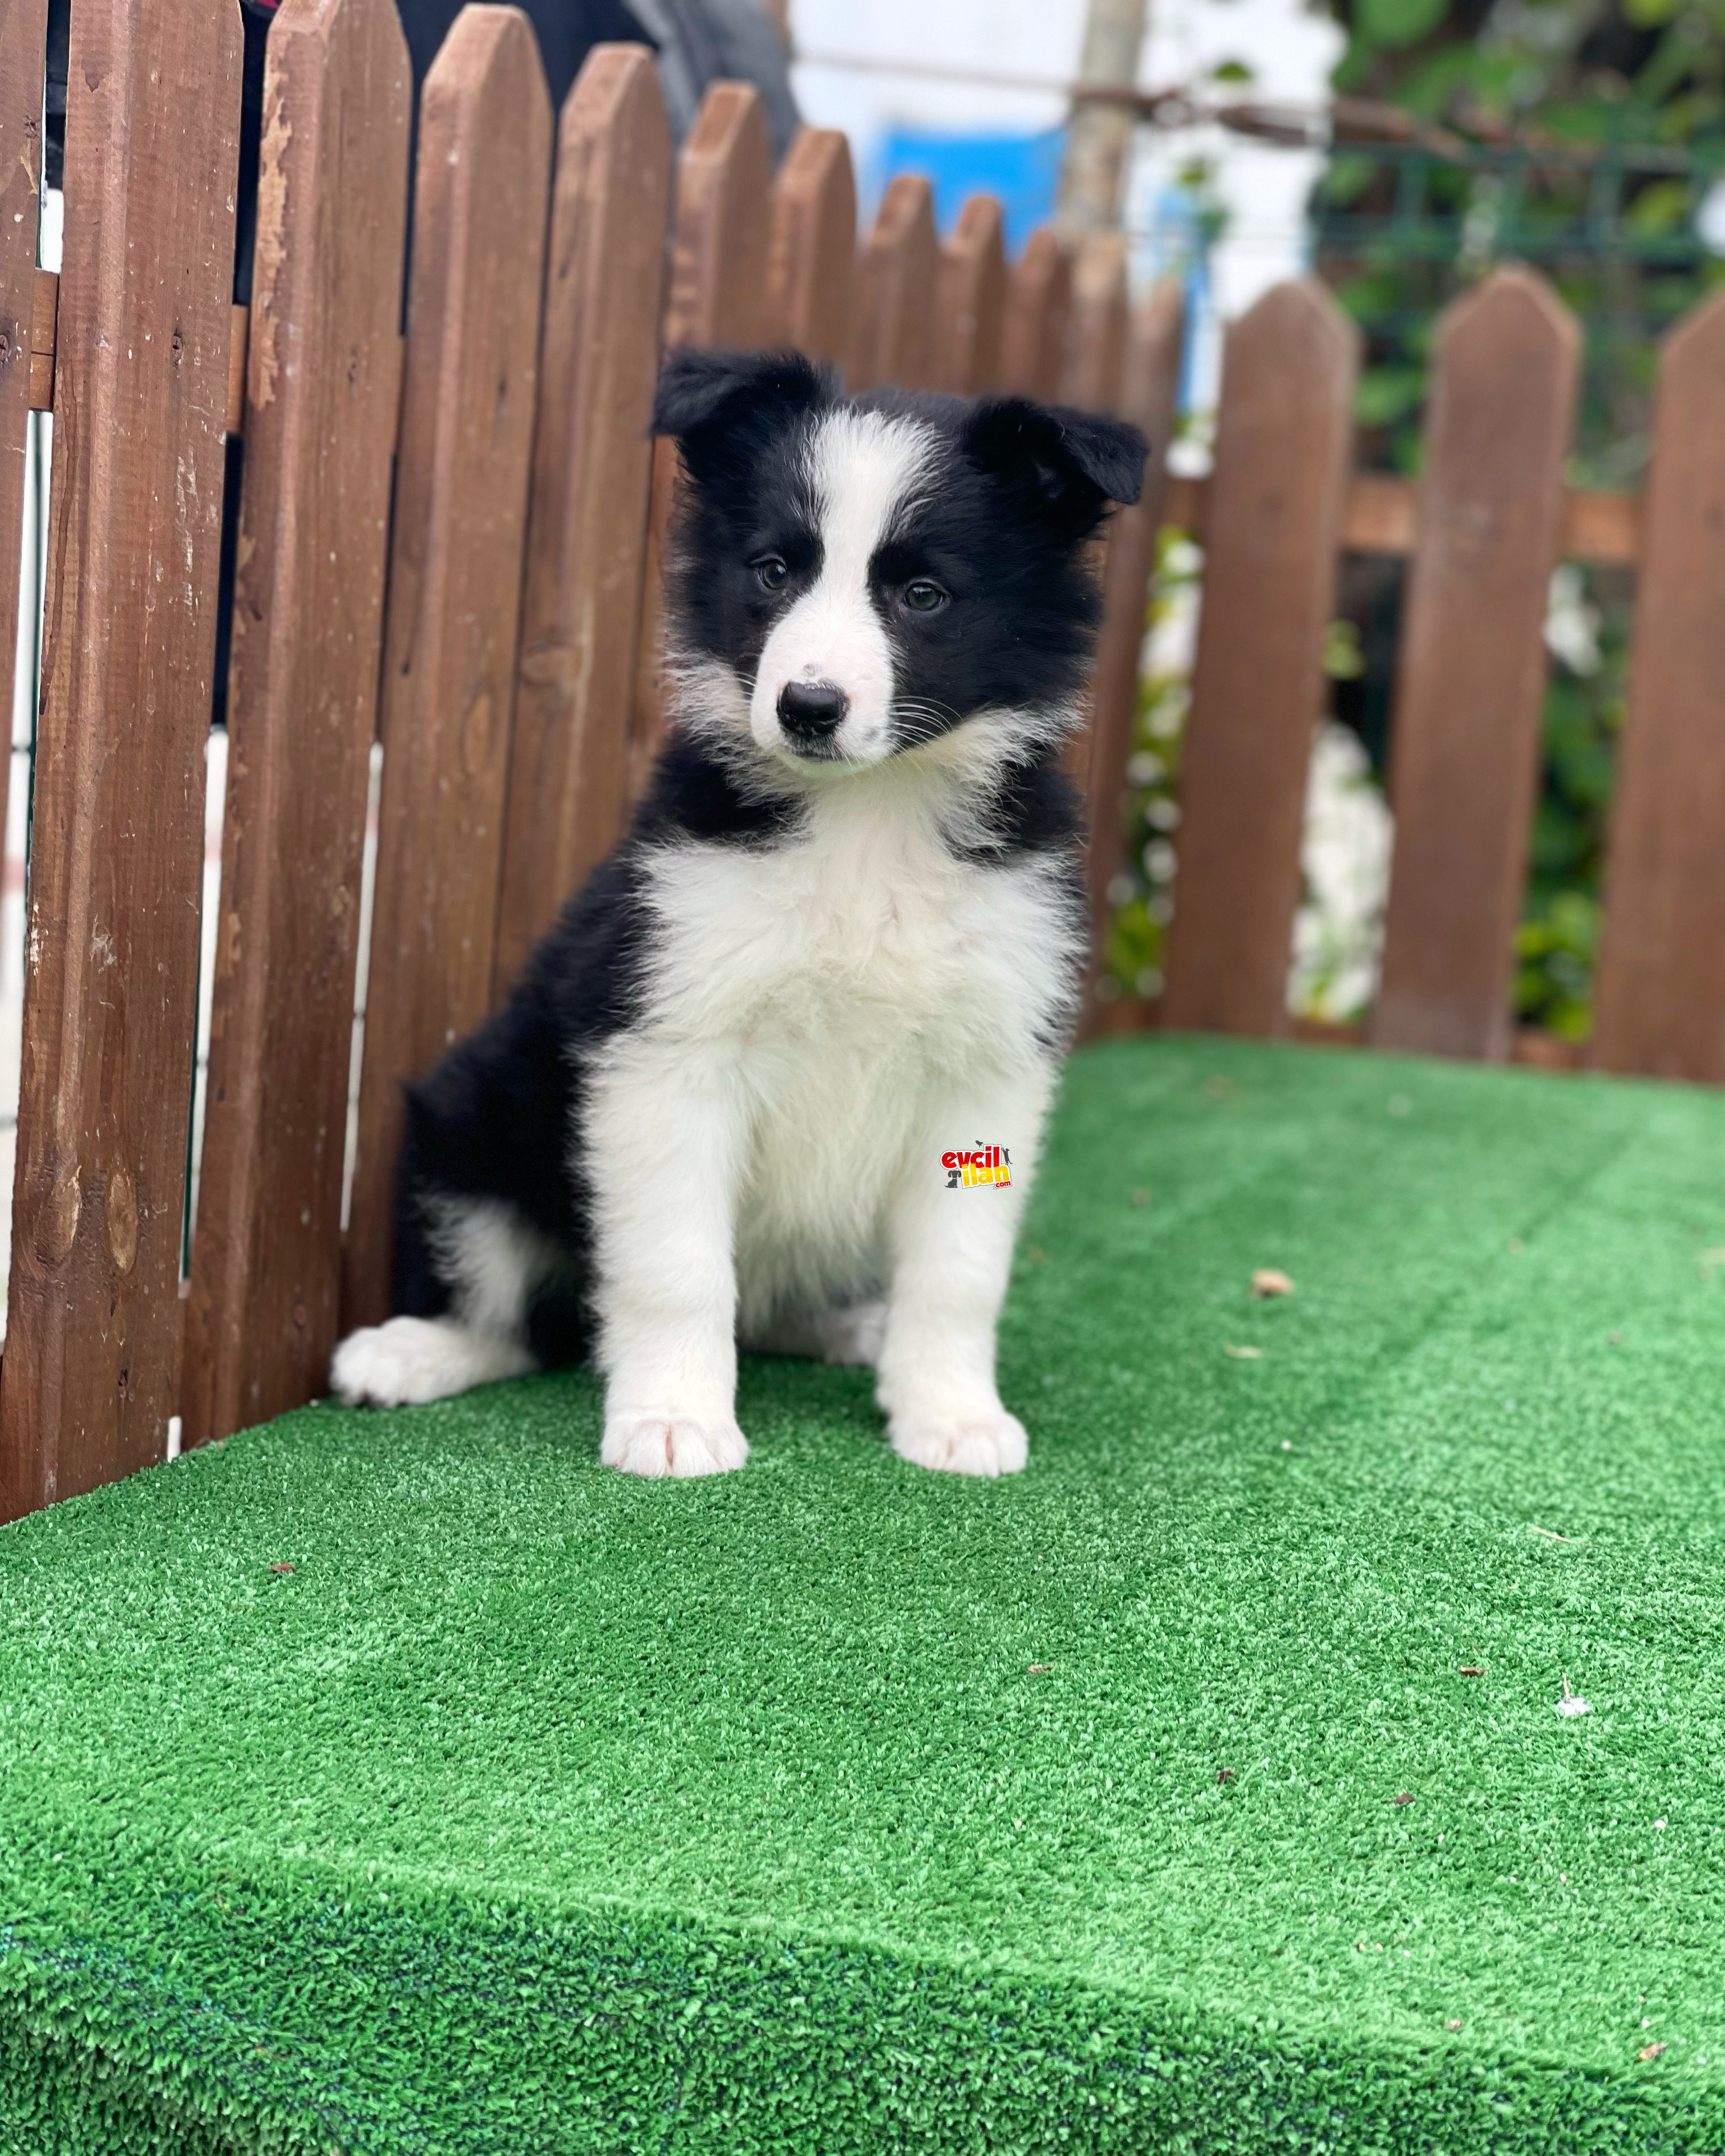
x=1272, y=528
x=718, y=299
x=893, y=337
x=592, y=465
x=970, y=303
x=308, y=620
x=1466, y=729
x=810, y=274
x=91, y=1366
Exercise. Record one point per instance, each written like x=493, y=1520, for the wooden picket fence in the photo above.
x=449, y=541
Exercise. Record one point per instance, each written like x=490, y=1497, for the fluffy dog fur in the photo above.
x=842, y=937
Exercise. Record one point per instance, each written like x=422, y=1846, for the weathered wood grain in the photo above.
x=1465, y=734
x=322, y=396
x=593, y=462
x=23, y=25
x=892, y=336
x=1274, y=521
x=89, y=1379
x=718, y=300
x=1152, y=381
x=970, y=301
x=1039, y=294
x=1659, y=1004
x=811, y=260
x=480, y=214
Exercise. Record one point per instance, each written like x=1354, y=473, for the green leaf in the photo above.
x=1399, y=22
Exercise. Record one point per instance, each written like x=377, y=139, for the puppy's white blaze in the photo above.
x=863, y=471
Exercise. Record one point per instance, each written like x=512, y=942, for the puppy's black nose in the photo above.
x=809, y=711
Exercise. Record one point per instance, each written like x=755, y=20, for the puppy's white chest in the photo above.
x=864, y=935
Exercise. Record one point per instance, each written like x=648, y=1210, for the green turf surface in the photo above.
x=539, y=1808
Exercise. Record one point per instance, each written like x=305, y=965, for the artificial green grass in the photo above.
x=838, y=1807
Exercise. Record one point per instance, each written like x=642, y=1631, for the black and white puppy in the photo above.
x=841, y=941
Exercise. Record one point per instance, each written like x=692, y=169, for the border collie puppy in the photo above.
x=842, y=940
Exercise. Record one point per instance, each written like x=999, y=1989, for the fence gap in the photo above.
x=322, y=393
x=892, y=336
x=970, y=301
x=1272, y=526
x=587, y=529
x=1464, y=745
x=717, y=300
x=89, y=1378
x=1660, y=1002
x=811, y=261
x=479, y=212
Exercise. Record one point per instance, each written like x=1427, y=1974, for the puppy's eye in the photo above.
x=772, y=570
x=923, y=597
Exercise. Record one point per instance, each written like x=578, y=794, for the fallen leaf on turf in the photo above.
x=1267, y=1281
x=1243, y=1354
x=281, y=1567
x=1405, y=1798
x=1472, y=1670
x=1040, y=1670
x=1572, y=1703
x=1224, y=1773
x=1650, y=2050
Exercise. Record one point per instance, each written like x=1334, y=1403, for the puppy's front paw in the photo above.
x=411, y=1360
x=990, y=1443
x=672, y=1445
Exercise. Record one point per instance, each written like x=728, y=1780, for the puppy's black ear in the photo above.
x=1070, y=463
x=719, y=406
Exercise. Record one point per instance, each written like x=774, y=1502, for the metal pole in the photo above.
x=1101, y=131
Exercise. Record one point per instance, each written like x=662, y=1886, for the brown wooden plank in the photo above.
x=1096, y=324
x=1152, y=381
x=44, y=313
x=1600, y=527
x=111, y=969
x=480, y=213
x=718, y=300
x=1660, y=998
x=321, y=394
x=593, y=462
x=1383, y=514
x=811, y=259
x=892, y=335
x=23, y=34
x=1465, y=735
x=970, y=301
x=1273, y=523
x=1033, y=339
